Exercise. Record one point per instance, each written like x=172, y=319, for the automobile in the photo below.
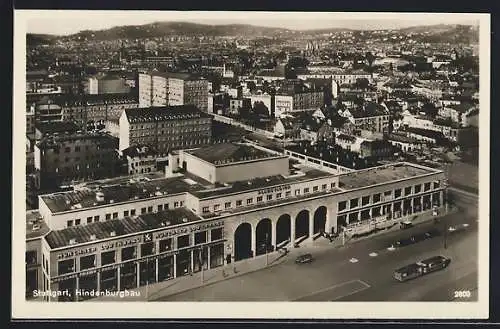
x=305, y=258
x=421, y=268
x=459, y=227
x=405, y=225
x=404, y=242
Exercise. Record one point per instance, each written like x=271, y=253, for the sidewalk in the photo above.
x=155, y=291
x=181, y=284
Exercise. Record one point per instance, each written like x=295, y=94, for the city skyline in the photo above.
x=71, y=22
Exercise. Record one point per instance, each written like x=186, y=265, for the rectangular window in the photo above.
x=397, y=193
x=354, y=203
x=129, y=253
x=297, y=192
x=269, y=197
x=418, y=188
x=96, y=218
x=315, y=189
x=365, y=200
x=150, y=209
x=227, y=205
x=143, y=210
x=278, y=195
x=342, y=205
x=66, y=266
x=216, y=207
x=376, y=198
x=239, y=203
x=216, y=234
x=77, y=221
x=427, y=187
x=132, y=212
x=205, y=210
x=108, y=216
x=125, y=213
x=436, y=184
x=31, y=258
x=89, y=220
x=306, y=190
x=200, y=237
x=160, y=207
x=176, y=204
x=165, y=245
x=108, y=257
x=87, y=262
x=147, y=249
x=69, y=223
x=165, y=206
x=183, y=241
x=333, y=185
x=407, y=190
x=323, y=187
x=249, y=201
x=115, y=215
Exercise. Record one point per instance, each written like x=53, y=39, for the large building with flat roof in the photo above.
x=125, y=232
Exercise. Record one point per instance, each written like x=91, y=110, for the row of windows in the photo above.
x=176, y=123
x=388, y=195
x=269, y=197
x=77, y=167
x=145, y=249
x=126, y=213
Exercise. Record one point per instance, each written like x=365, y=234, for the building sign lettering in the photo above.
x=68, y=254
x=274, y=189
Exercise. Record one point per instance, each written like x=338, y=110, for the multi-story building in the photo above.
x=107, y=85
x=63, y=158
x=297, y=101
x=374, y=118
x=46, y=110
x=170, y=89
x=116, y=235
x=94, y=108
x=165, y=128
x=143, y=159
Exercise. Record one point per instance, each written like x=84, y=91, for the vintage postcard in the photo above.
x=306, y=165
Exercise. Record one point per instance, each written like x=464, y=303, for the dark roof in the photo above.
x=400, y=137
x=351, y=139
x=462, y=107
x=229, y=152
x=140, y=150
x=177, y=75
x=56, y=127
x=129, y=225
x=55, y=140
x=425, y=132
x=164, y=113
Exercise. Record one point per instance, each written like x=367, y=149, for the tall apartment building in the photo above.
x=62, y=158
x=297, y=101
x=165, y=128
x=107, y=85
x=85, y=108
x=170, y=89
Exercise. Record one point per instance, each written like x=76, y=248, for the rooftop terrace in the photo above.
x=35, y=226
x=120, y=227
x=382, y=174
x=228, y=153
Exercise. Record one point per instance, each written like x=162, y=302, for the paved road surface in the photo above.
x=333, y=276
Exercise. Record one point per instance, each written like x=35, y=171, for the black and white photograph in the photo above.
x=323, y=164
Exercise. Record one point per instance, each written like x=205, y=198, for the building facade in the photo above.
x=165, y=128
x=171, y=89
x=105, y=238
x=63, y=158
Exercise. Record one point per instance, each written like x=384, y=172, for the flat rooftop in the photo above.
x=382, y=174
x=259, y=183
x=35, y=226
x=229, y=152
x=128, y=225
x=114, y=191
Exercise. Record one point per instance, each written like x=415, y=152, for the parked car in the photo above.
x=421, y=268
x=305, y=258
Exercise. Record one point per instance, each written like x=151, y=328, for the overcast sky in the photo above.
x=63, y=22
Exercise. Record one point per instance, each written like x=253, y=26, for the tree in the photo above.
x=362, y=83
x=260, y=109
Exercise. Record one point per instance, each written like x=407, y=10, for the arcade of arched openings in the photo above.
x=254, y=238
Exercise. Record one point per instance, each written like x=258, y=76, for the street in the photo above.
x=362, y=271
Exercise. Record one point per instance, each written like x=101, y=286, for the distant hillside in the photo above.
x=432, y=33
x=446, y=33
x=38, y=39
x=178, y=28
